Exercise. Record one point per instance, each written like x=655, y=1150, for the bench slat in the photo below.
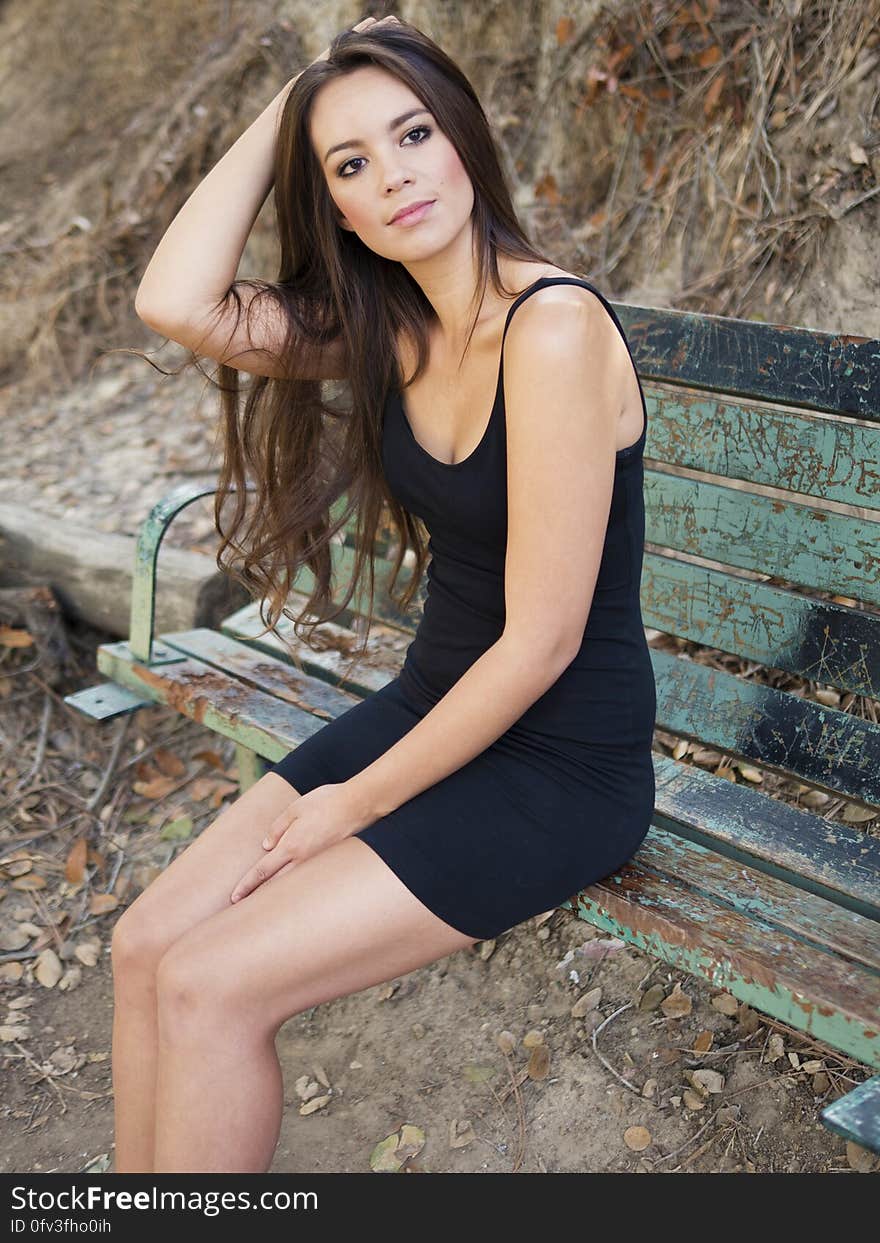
x=822, y=745
x=772, y=362
x=812, y=919
x=780, y=447
x=831, y=859
x=330, y=664
x=259, y=721
x=262, y=672
x=799, y=543
x=811, y=638
x=834, y=1000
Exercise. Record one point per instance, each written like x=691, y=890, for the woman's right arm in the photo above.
x=185, y=292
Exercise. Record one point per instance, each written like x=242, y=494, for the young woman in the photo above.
x=509, y=763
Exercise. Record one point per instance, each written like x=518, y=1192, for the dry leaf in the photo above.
x=637, y=1138
x=652, y=997
x=775, y=1048
x=859, y=1158
x=75, y=866
x=18, y=867
x=390, y=1153
x=317, y=1102
x=677, y=1004
x=14, y=938
x=707, y=1081
x=201, y=788
x=102, y=903
x=477, y=1074
x=461, y=1133
x=210, y=757
x=10, y=637
x=26, y=883
x=177, y=830
x=156, y=788
x=854, y=814
x=589, y=1001
x=71, y=978
x=539, y=1062
x=65, y=1059
x=725, y=1003
x=88, y=952
x=169, y=763
x=16, y=1031
x=48, y=969
x=601, y=946
x=221, y=790
x=564, y=31
x=306, y=1087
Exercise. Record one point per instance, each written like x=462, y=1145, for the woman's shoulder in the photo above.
x=549, y=303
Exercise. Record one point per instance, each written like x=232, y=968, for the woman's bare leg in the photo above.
x=194, y=887
x=332, y=925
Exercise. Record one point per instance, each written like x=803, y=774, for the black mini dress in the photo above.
x=565, y=796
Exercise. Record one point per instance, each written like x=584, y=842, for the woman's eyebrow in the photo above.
x=359, y=142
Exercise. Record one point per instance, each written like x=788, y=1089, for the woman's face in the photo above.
x=393, y=155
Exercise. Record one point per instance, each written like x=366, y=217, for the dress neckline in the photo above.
x=626, y=451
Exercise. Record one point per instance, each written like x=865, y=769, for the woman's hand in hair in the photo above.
x=308, y=825
x=367, y=24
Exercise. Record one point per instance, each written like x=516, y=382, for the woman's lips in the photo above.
x=417, y=214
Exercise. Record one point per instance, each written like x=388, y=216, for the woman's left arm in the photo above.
x=564, y=378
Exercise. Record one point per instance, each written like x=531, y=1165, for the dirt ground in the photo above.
x=423, y=1052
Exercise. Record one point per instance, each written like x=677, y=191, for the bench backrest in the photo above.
x=762, y=501
x=773, y=557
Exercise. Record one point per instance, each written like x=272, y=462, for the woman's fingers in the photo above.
x=260, y=872
x=279, y=827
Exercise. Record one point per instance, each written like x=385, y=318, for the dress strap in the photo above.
x=573, y=280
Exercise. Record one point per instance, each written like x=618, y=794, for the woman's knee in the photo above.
x=137, y=943
x=193, y=997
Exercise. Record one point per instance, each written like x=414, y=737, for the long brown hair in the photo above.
x=315, y=466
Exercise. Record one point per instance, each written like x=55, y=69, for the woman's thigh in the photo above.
x=199, y=881
x=334, y=924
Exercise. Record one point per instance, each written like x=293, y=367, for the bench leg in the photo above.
x=856, y=1116
x=250, y=766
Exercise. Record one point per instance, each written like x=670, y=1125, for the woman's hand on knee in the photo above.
x=306, y=826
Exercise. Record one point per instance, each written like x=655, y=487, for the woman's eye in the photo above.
x=424, y=129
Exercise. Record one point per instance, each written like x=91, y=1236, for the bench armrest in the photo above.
x=143, y=584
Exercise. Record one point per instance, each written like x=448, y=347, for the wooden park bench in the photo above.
x=761, y=897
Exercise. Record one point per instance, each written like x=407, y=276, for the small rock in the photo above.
x=506, y=1041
